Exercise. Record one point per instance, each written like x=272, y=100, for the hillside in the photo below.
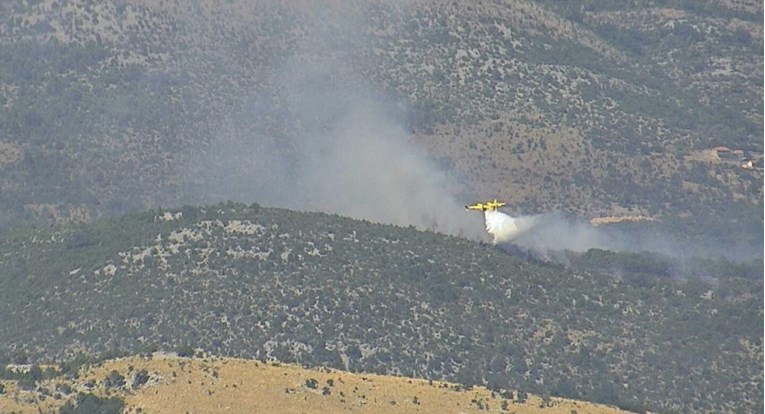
x=168, y=384
x=336, y=116
x=320, y=290
x=588, y=107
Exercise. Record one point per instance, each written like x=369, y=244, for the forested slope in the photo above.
x=246, y=281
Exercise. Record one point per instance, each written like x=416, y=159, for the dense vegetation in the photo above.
x=629, y=329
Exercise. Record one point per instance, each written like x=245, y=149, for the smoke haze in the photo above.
x=324, y=141
x=505, y=228
x=547, y=235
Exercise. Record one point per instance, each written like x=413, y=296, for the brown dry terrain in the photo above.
x=215, y=385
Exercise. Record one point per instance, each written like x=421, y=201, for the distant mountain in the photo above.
x=244, y=281
x=589, y=107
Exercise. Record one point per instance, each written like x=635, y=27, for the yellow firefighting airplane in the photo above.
x=487, y=206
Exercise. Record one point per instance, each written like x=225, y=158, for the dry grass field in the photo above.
x=225, y=385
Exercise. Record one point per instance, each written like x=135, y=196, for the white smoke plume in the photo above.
x=322, y=137
x=550, y=232
x=364, y=166
x=548, y=236
x=555, y=232
x=358, y=162
x=504, y=228
x=324, y=141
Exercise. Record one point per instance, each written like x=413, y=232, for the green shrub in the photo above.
x=90, y=404
x=140, y=378
x=114, y=379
